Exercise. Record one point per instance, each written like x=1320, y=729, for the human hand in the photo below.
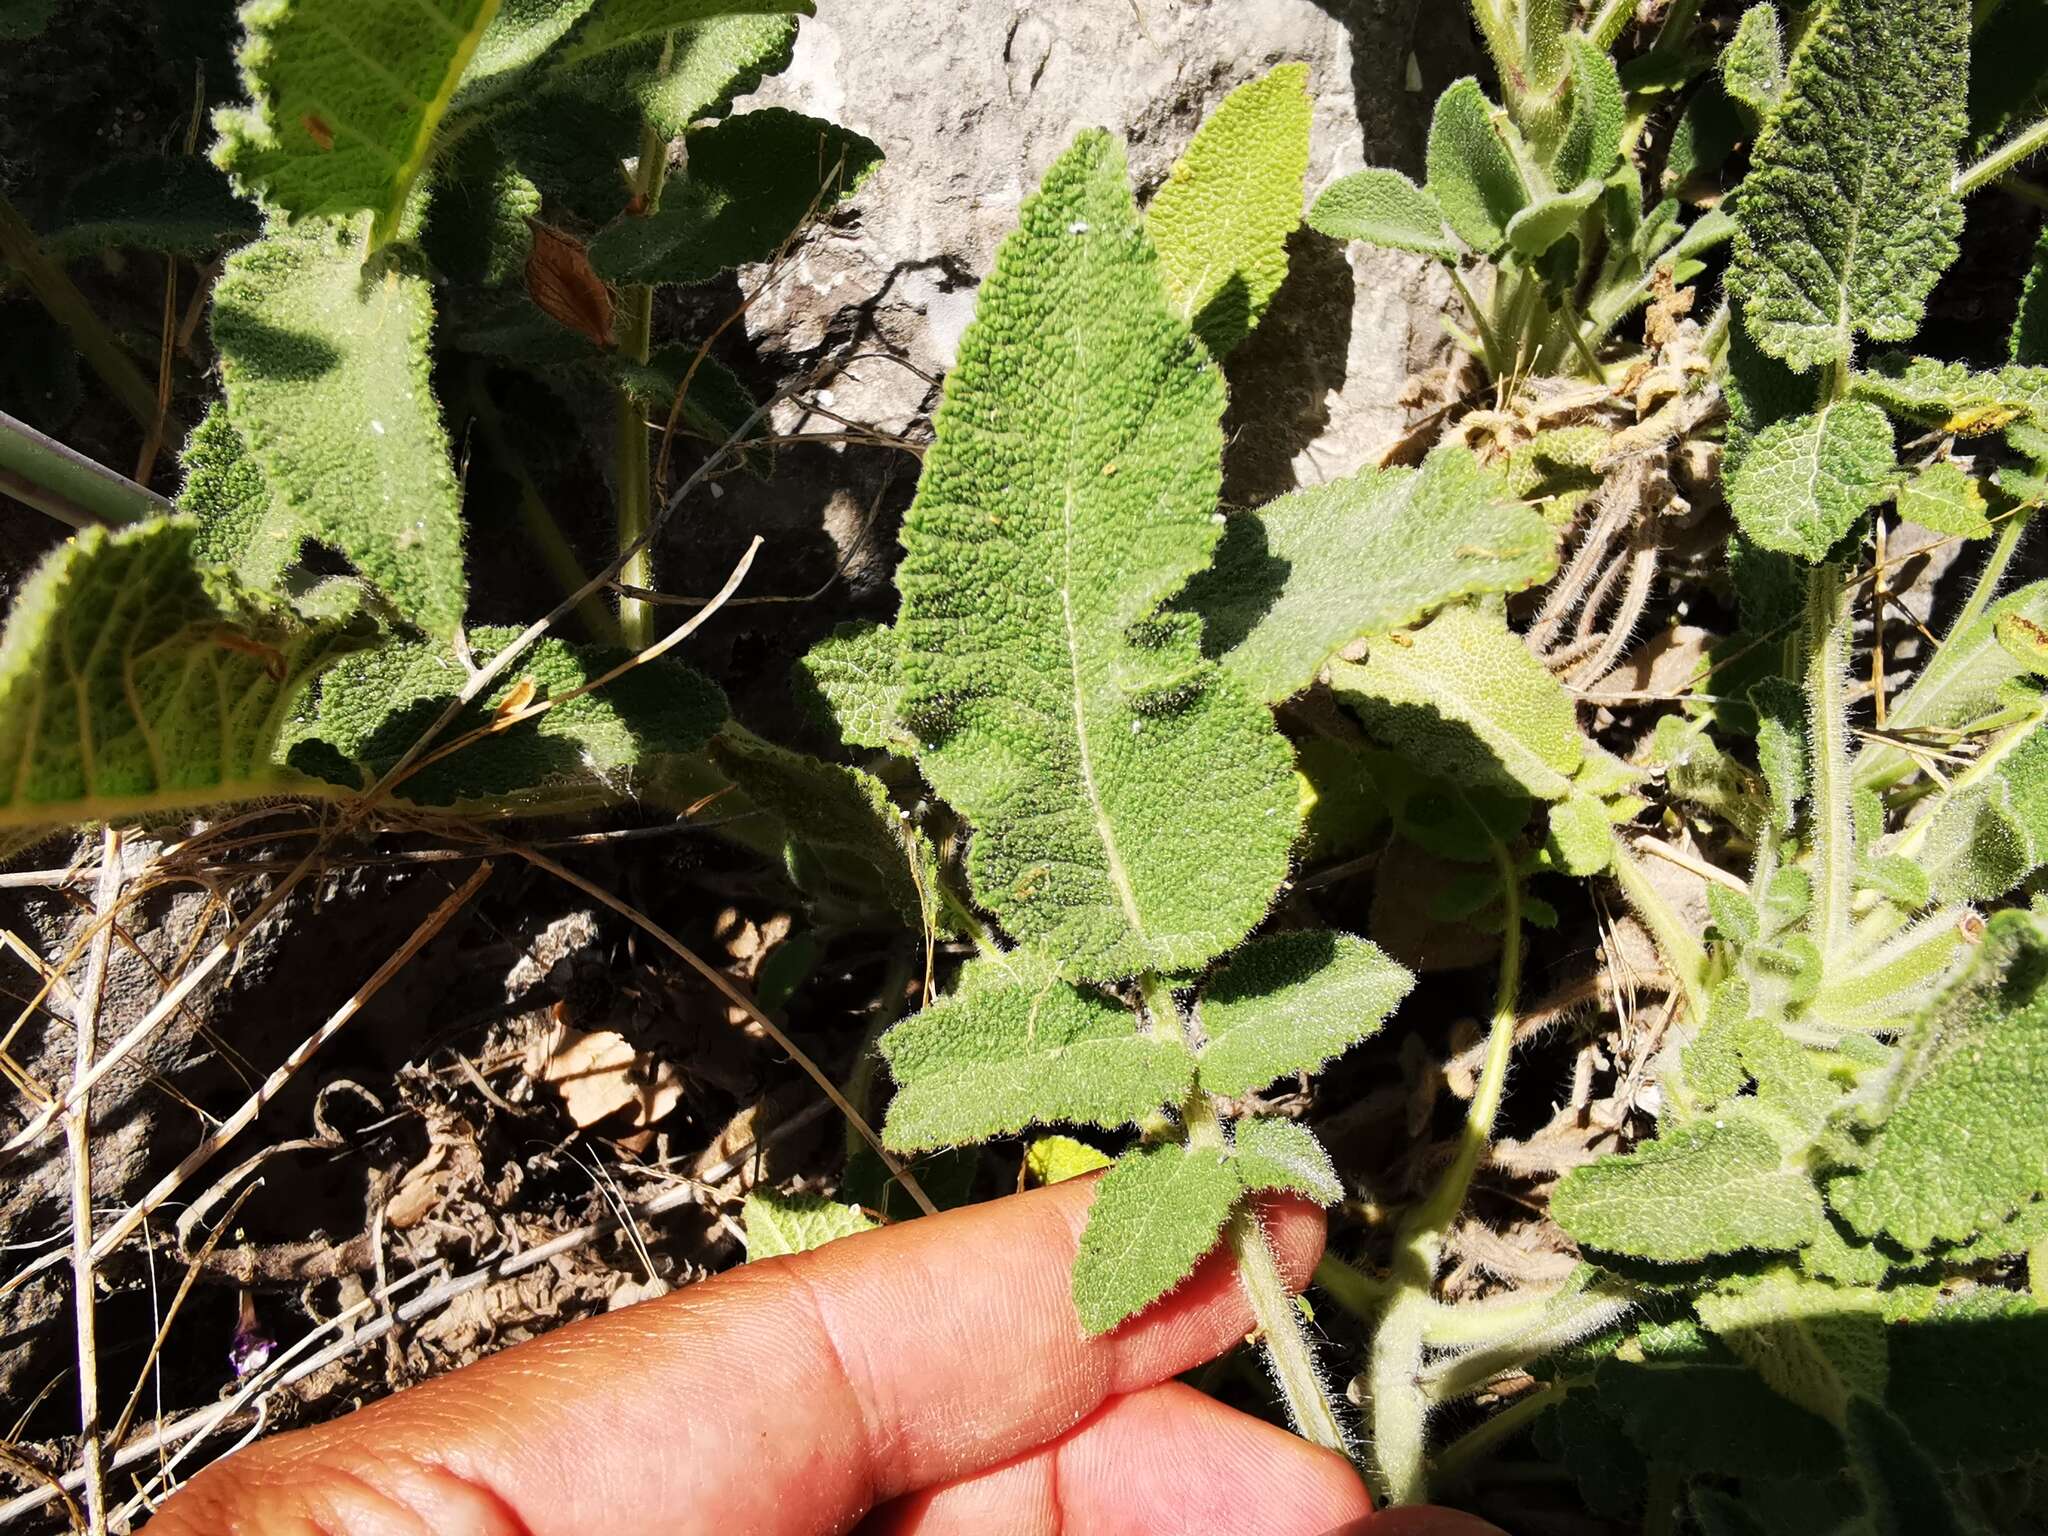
x=929, y=1377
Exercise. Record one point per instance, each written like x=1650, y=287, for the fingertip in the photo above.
x=1294, y=1229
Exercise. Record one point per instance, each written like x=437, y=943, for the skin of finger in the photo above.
x=1164, y=1459
x=782, y=1398
x=1415, y=1520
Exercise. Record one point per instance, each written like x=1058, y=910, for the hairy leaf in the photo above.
x=1962, y=1379
x=1902, y=1483
x=1818, y=1345
x=1970, y=1078
x=1302, y=577
x=157, y=202
x=1954, y=397
x=1548, y=219
x=1015, y=1046
x=1056, y=1159
x=2029, y=343
x=613, y=26
x=1383, y=208
x=1133, y=806
x=618, y=741
x=1591, y=146
x=1804, y=481
x=1707, y=1187
x=1270, y=1152
x=1989, y=837
x=517, y=36
x=846, y=841
x=852, y=680
x=751, y=182
x=1472, y=171
x=1222, y=219
x=1290, y=1002
x=1156, y=1215
x=1464, y=696
x=1847, y=217
x=227, y=493
x=133, y=679
x=326, y=369
x=1947, y=499
x=1753, y=64
x=1581, y=835
x=344, y=101
x=479, y=227
x=778, y=1224
x=1717, y=1419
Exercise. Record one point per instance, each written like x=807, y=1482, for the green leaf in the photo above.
x=1464, y=696
x=716, y=408
x=1548, y=219
x=1056, y=1159
x=1986, y=839
x=1964, y=1380
x=1704, y=1188
x=344, y=101
x=1069, y=491
x=1290, y=1002
x=1904, y=1487
x=1472, y=171
x=1581, y=835
x=1895, y=980
x=1221, y=221
x=327, y=375
x=778, y=1224
x=2029, y=343
x=620, y=741
x=852, y=680
x=1716, y=1419
x=1946, y=498
x=1760, y=391
x=1270, y=1152
x=519, y=33
x=1963, y=1140
x=1015, y=1046
x=1591, y=147
x=1303, y=576
x=1847, y=217
x=478, y=227
x=1817, y=1345
x=1753, y=63
x=227, y=493
x=845, y=840
x=1953, y=397
x=751, y=182
x=134, y=679
x=1383, y=208
x=711, y=65
x=1804, y=481
x=1156, y=1215
x=615, y=26
x=155, y=202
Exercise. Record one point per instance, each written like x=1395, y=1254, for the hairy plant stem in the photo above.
x=2028, y=141
x=1827, y=705
x=1680, y=947
x=1279, y=1321
x=1400, y=1405
x=635, y=329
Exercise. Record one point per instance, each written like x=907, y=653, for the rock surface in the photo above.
x=971, y=100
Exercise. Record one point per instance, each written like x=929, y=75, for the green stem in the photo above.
x=96, y=344
x=1455, y=1462
x=635, y=327
x=2027, y=141
x=1607, y=23
x=1505, y=46
x=1400, y=1407
x=66, y=484
x=1827, y=704
x=1358, y=1293
x=1288, y=1351
x=1489, y=339
x=1678, y=944
x=1985, y=764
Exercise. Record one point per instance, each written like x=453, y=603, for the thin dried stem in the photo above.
x=78, y=1132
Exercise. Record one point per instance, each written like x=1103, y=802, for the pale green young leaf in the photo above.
x=618, y=742
x=750, y=183
x=1289, y=1002
x=1847, y=217
x=852, y=680
x=1581, y=835
x=1056, y=1159
x=1753, y=63
x=345, y=98
x=1706, y=1187
x=1591, y=146
x=227, y=493
x=1383, y=208
x=1818, y=1345
x=1270, y=1152
x=1954, y=397
x=1804, y=481
x=1836, y=1256
x=327, y=368
x=1303, y=576
x=1472, y=171
x=1790, y=1081
x=1898, y=879
x=1133, y=805
x=1963, y=1142
x=170, y=203
x=1898, y=978
x=1157, y=1214
x=1946, y=498
x=1980, y=843
x=778, y=1224
x=1464, y=696
x=1015, y=1046
x=135, y=679
x=1548, y=219
x=845, y=841
x=1222, y=219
